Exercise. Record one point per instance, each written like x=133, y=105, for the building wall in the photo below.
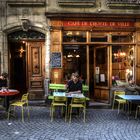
x=93, y=6
x=12, y=15
x=12, y=12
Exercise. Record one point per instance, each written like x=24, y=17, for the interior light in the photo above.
x=69, y=55
x=69, y=33
x=77, y=33
x=77, y=55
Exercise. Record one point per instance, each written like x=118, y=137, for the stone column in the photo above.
x=47, y=55
x=4, y=52
x=3, y=38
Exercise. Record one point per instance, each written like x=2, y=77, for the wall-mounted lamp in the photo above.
x=21, y=51
x=99, y=9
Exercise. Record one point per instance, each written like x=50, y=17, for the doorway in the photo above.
x=74, y=60
x=26, y=62
x=17, y=58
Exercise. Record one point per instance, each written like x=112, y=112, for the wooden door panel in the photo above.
x=138, y=58
x=35, y=67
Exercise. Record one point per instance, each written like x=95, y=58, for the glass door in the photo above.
x=101, y=73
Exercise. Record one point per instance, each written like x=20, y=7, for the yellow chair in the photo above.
x=77, y=103
x=120, y=101
x=59, y=101
x=23, y=102
x=137, y=109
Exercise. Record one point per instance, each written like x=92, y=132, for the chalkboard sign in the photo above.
x=56, y=60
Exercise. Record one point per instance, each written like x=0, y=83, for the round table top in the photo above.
x=8, y=92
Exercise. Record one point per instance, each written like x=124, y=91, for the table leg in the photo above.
x=6, y=102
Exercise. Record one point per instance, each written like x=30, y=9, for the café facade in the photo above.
x=47, y=41
x=99, y=47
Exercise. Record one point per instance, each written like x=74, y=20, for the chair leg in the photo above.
x=22, y=114
x=66, y=114
x=52, y=113
x=50, y=110
x=28, y=112
x=9, y=113
x=136, y=112
x=130, y=107
x=68, y=111
x=118, y=108
x=113, y=103
x=84, y=109
x=70, y=114
x=123, y=107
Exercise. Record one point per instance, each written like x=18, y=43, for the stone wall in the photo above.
x=12, y=15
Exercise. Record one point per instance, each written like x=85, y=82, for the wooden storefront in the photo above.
x=101, y=40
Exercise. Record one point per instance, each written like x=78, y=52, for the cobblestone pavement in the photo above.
x=101, y=124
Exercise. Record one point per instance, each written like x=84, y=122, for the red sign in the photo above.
x=123, y=24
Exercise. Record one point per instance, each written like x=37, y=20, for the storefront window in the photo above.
x=98, y=37
x=122, y=64
x=122, y=37
x=74, y=36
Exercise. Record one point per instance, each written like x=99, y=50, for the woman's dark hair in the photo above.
x=5, y=75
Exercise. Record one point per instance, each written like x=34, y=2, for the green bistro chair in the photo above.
x=62, y=87
x=118, y=100
x=77, y=103
x=21, y=103
x=56, y=87
x=85, y=92
x=58, y=101
x=137, y=110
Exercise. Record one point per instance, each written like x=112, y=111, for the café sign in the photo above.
x=121, y=24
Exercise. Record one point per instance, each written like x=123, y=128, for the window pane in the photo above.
x=74, y=36
x=98, y=37
x=122, y=38
x=122, y=63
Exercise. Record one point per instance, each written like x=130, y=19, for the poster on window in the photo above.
x=97, y=70
x=102, y=77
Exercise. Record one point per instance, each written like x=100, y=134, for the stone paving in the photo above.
x=101, y=124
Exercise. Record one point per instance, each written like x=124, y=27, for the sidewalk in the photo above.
x=101, y=124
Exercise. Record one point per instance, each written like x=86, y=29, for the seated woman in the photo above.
x=74, y=85
x=3, y=80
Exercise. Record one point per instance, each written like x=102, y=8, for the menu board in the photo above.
x=56, y=60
